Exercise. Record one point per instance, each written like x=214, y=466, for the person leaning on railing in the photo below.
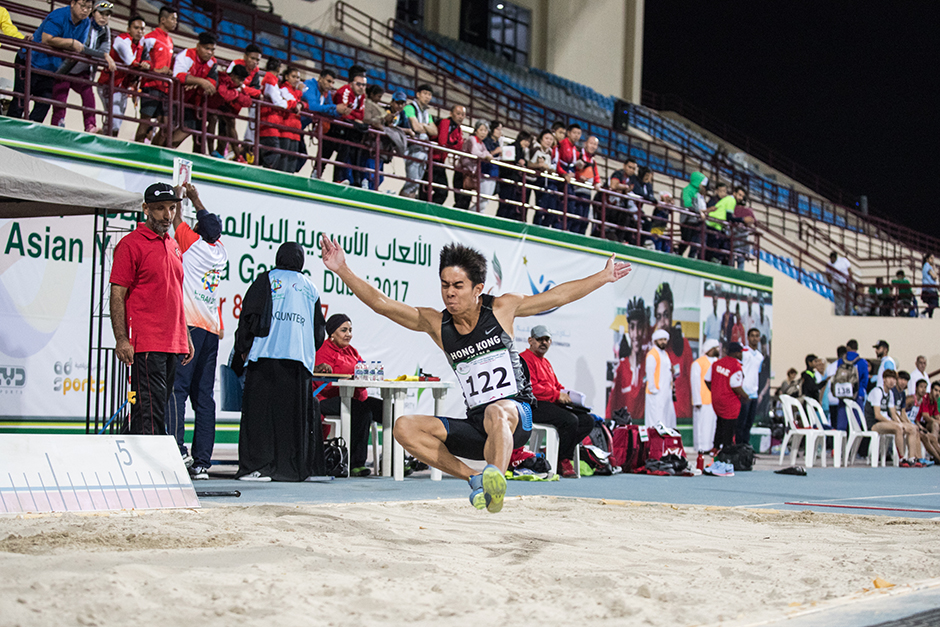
x=154, y=93
x=586, y=173
x=98, y=45
x=7, y=27
x=418, y=115
x=63, y=29
x=449, y=135
x=510, y=187
x=540, y=160
x=229, y=99
x=128, y=49
x=929, y=279
x=471, y=166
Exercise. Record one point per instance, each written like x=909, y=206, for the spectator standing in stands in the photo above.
x=839, y=271
x=272, y=115
x=197, y=71
x=472, y=167
x=229, y=99
x=724, y=380
x=919, y=374
x=555, y=406
x=623, y=211
x=721, y=211
x=353, y=95
x=929, y=277
x=64, y=29
x=567, y=154
x=154, y=94
x=377, y=118
x=204, y=261
x=449, y=135
x=660, y=408
x=7, y=27
x=337, y=355
x=703, y=414
x=513, y=196
x=813, y=381
x=586, y=173
x=127, y=49
x=251, y=87
x=494, y=145
x=291, y=91
x=882, y=295
x=886, y=362
x=147, y=312
x=418, y=115
x=831, y=400
x=743, y=226
x=279, y=331
x=542, y=161
x=712, y=328
x=907, y=306
x=752, y=360
x=690, y=224
x=98, y=46
x=318, y=97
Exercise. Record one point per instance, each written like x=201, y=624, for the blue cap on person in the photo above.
x=160, y=192
x=399, y=96
x=210, y=225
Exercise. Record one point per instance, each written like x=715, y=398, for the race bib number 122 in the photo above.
x=487, y=378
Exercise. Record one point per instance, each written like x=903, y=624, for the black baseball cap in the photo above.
x=881, y=344
x=160, y=192
x=733, y=347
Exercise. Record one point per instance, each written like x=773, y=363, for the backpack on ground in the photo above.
x=741, y=456
x=845, y=380
x=626, y=447
x=596, y=449
x=334, y=453
x=664, y=441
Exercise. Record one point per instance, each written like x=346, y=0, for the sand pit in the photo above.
x=543, y=560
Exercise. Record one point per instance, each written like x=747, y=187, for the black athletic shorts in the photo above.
x=467, y=437
x=152, y=103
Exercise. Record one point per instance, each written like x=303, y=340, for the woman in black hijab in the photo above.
x=279, y=330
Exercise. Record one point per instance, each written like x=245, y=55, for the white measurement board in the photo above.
x=85, y=473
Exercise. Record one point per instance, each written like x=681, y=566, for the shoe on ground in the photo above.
x=567, y=470
x=319, y=479
x=477, y=498
x=925, y=461
x=217, y=154
x=199, y=473
x=255, y=476
x=187, y=460
x=494, y=488
x=725, y=470
x=361, y=471
x=905, y=464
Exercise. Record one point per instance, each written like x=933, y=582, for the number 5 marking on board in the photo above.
x=125, y=451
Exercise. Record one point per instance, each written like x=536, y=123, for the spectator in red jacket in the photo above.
x=292, y=92
x=252, y=88
x=568, y=152
x=229, y=99
x=586, y=172
x=271, y=115
x=449, y=135
x=197, y=71
x=158, y=52
x=555, y=407
x=127, y=49
x=338, y=356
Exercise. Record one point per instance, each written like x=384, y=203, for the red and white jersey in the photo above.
x=127, y=51
x=158, y=49
x=346, y=96
x=188, y=63
x=203, y=264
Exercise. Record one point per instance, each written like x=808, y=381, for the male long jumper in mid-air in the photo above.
x=475, y=331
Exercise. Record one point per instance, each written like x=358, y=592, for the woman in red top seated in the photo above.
x=336, y=355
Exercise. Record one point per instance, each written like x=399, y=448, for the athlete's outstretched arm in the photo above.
x=407, y=316
x=572, y=290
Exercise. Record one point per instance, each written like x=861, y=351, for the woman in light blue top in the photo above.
x=929, y=279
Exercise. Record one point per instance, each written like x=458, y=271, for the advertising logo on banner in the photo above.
x=600, y=343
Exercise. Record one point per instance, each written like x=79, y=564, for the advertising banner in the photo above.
x=45, y=278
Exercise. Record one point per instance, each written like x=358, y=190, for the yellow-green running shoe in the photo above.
x=494, y=488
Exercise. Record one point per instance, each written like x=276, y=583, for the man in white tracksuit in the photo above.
x=704, y=419
x=659, y=404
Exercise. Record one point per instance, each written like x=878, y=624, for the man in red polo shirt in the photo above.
x=158, y=51
x=725, y=379
x=147, y=310
x=554, y=407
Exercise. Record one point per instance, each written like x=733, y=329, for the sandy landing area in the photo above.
x=542, y=561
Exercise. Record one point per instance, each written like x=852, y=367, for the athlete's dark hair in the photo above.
x=935, y=384
x=252, y=48
x=465, y=258
x=810, y=359
x=572, y=127
x=327, y=73
x=557, y=124
x=206, y=39
x=273, y=64
x=166, y=9
x=904, y=374
x=372, y=90
x=134, y=18
x=841, y=351
x=663, y=293
x=356, y=70
x=239, y=71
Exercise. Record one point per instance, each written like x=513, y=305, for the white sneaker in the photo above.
x=254, y=476
x=187, y=460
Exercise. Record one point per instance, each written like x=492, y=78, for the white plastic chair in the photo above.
x=818, y=420
x=551, y=446
x=879, y=443
x=798, y=431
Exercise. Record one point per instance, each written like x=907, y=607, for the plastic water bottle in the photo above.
x=372, y=371
x=358, y=371
x=380, y=372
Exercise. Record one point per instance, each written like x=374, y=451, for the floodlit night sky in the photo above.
x=841, y=88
